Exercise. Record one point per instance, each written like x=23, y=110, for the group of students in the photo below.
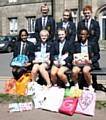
x=56, y=46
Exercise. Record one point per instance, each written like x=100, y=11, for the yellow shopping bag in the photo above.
x=21, y=84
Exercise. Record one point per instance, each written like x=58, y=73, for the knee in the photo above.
x=53, y=73
x=14, y=70
x=60, y=73
x=34, y=71
x=74, y=71
x=41, y=68
x=85, y=71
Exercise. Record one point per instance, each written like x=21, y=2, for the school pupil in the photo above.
x=46, y=21
x=85, y=45
x=23, y=47
x=61, y=58
x=68, y=24
x=42, y=58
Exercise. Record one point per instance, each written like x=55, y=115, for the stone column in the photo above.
x=58, y=9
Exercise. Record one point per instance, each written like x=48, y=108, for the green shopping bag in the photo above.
x=72, y=92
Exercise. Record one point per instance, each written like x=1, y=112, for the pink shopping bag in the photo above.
x=69, y=105
x=86, y=103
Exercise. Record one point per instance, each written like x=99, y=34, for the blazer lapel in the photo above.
x=40, y=22
x=91, y=25
x=65, y=47
x=48, y=47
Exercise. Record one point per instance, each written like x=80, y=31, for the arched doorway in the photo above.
x=101, y=13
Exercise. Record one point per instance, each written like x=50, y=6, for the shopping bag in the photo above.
x=20, y=107
x=86, y=103
x=72, y=92
x=10, y=86
x=25, y=106
x=53, y=100
x=22, y=82
x=33, y=88
x=39, y=97
x=19, y=61
x=68, y=106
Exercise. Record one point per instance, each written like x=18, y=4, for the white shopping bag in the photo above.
x=25, y=106
x=20, y=107
x=14, y=107
x=86, y=103
x=40, y=97
x=54, y=98
x=33, y=88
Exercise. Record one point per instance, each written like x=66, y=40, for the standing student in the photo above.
x=45, y=22
x=85, y=45
x=42, y=58
x=68, y=24
x=61, y=57
x=23, y=47
x=94, y=30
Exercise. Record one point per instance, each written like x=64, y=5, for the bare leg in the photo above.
x=87, y=75
x=34, y=71
x=75, y=72
x=53, y=74
x=43, y=71
x=62, y=75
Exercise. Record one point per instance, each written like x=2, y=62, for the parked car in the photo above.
x=32, y=38
x=7, y=43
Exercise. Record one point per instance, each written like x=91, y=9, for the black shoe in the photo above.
x=100, y=87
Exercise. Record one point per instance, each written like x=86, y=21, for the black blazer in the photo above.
x=94, y=29
x=38, y=46
x=68, y=48
x=50, y=26
x=71, y=30
x=29, y=50
x=93, y=52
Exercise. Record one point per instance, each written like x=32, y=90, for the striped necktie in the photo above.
x=23, y=48
x=86, y=23
x=44, y=23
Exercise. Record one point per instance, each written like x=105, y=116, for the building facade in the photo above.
x=17, y=14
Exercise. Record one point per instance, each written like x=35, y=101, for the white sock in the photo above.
x=77, y=85
x=91, y=88
x=67, y=84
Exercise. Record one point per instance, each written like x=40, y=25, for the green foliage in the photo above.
x=100, y=104
x=7, y=98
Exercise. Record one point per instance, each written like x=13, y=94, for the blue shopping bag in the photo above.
x=19, y=61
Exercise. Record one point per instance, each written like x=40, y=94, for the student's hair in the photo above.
x=62, y=29
x=44, y=30
x=20, y=32
x=70, y=14
x=87, y=7
x=44, y=5
x=83, y=28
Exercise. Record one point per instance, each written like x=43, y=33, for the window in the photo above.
x=31, y=24
x=74, y=15
x=102, y=22
x=13, y=25
x=10, y=1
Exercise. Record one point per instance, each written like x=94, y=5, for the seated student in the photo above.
x=42, y=58
x=84, y=45
x=61, y=57
x=23, y=47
